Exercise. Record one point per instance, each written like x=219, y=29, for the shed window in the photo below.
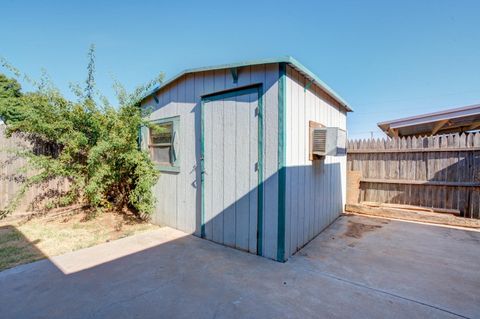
x=162, y=143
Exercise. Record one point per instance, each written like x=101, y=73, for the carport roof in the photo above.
x=460, y=119
x=286, y=59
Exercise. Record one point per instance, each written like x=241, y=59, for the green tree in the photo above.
x=9, y=88
x=10, y=91
x=93, y=144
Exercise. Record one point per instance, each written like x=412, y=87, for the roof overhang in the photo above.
x=461, y=119
x=287, y=59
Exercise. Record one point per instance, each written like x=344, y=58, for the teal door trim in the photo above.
x=257, y=88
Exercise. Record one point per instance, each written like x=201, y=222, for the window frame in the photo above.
x=175, y=165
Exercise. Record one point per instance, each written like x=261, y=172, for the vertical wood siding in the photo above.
x=231, y=147
x=178, y=194
x=441, y=171
x=12, y=176
x=316, y=191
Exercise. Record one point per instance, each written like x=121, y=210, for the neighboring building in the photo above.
x=456, y=120
x=233, y=145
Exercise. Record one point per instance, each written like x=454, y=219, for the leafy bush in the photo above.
x=93, y=144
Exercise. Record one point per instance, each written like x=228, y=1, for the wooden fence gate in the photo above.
x=440, y=171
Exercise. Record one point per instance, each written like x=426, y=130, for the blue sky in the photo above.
x=388, y=59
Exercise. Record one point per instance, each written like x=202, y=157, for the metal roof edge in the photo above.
x=285, y=59
x=320, y=83
x=426, y=115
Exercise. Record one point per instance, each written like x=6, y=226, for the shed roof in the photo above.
x=460, y=119
x=286, y=59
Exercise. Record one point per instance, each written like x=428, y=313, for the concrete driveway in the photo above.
x=358, y=268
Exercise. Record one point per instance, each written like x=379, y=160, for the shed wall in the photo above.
x=315, y=191
x=178, y=194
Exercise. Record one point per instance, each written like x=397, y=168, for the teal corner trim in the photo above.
x=202, y=169
x=258, y=88
x=282, y=159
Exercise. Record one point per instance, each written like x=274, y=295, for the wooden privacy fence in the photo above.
x=440, y=171
x=12, y=177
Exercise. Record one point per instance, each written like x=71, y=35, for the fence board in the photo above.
x=12, y=177
x=441, y=171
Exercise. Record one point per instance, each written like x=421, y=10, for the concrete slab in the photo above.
x=358, y=268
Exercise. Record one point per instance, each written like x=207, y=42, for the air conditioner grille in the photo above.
x=319, y=141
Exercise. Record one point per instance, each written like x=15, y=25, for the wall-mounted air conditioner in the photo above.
x=326, y=141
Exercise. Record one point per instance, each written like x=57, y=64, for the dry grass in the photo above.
x=42, y=237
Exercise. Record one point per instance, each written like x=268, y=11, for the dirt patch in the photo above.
x=356, y=230
x=42, y=236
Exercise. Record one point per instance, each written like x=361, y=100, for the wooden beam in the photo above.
x=413, y=207
x=473, y=126
x=438, y=126
x=426, y=217
x=415, y=182
x=392, y=132
x=413, y=150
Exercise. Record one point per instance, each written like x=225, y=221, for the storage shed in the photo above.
x=251, y=154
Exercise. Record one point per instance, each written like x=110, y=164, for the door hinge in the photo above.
x=256, y=111
x=256, y=167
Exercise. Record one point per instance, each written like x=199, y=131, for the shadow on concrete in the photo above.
x=312, y=203
x=15, y=248
x=166, y=273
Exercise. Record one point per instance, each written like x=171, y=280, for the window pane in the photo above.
x=161, y=133
x=161, y=154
